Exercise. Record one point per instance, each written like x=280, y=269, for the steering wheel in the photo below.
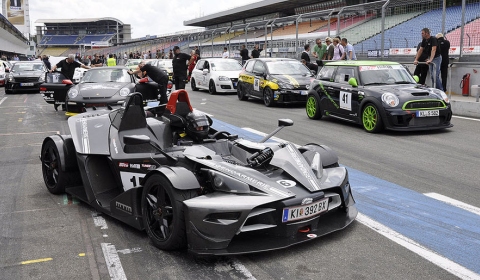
x=214, y=136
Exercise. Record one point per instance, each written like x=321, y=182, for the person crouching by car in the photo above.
x=156, y=75
x=179, y=63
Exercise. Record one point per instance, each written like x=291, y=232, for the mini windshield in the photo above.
x=384, y=74
x=105, y=75
x=225, y=66
x=291, y=67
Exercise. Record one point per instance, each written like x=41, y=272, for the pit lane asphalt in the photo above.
x=53, y=232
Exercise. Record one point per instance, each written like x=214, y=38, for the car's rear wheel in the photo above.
x=312, y=107
x=193, y=85
x=371, y=119
x=241, y=95
x=163, y=213
x=268, y=97
x=55, y=179
x=211, y=87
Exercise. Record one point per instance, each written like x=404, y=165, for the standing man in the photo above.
x=156, y=75
x=179, y=63
x=430, y=46
x=225, y=53
x=330, y=48
x=244, y=54
x=256, y=51
x=444, y=50
x=68, y=66
x=306, y=57
x=197, y=52
x=319, y=51
x=349, y=52
x=97, y=61
x=46, y=62
x=421, y=70
x=111, y=61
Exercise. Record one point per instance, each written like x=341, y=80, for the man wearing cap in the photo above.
x=330, y=48
x=444, y=50
x=430, y=46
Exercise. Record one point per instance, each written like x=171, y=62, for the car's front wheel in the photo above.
x=268, y=97
x=55, y=179
x=371, y=119
x=211, y=87
x=241, y=95
x=163, y=213
x=312, y=107
x=193, y=85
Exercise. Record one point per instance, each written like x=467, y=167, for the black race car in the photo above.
x=25, y=76
x=378, y=95
x=213, y=192
x=275, y=81
x=99, y=87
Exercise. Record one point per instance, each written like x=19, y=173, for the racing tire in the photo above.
x=163, y=213
x=268, y=97
x=193, y=85
x=371, y=119
x=55, y=179
x=211, y=87
x=240, y=94
x=313, y=108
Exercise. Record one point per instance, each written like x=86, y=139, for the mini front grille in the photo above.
x=423, y=105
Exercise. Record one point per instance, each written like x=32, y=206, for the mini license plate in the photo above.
x=428, y=113
x=304, y=211
x=26, y=84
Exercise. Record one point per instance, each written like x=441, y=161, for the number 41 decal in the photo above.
x=346, y=100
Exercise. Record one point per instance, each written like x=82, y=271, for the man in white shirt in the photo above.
x=225, y=53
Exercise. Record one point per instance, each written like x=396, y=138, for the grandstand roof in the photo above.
x=252, y=10
x=77, y=20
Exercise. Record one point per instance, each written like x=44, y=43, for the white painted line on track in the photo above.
x=113, y=263
x=466, y=118
x=454, y=202
x=228, y=264
x=99, y=220
x=418, y=249
x=3, y=99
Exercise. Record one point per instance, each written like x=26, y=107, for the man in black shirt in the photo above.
x=256, y=52
x=179, y=63
x=68, y=66
x=244, y=54
x=156, y=75
x=97, y=61
x=306, y=56
x=434, y=60
x=444, y=45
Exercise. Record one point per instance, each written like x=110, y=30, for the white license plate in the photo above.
x=234, y=84
x=26, y=84
x=304, y=211
x=303, y=92
x=428, y=113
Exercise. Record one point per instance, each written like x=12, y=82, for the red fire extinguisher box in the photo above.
x=465, y=84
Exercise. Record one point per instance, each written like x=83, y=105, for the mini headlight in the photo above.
x=72, y=93
x=390, y=99
x=223, y=78
x=442, y=94
x=124, y=92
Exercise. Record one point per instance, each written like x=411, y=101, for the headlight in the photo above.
x=224, y=183
x=11, y=78
x=390, y=99
x=72, y=93
x=41, y=78
x=124, y=92
x=223, y=78
x=285, y=85
x=442, y=94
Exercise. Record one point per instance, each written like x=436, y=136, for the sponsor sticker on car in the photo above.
x=304, y=211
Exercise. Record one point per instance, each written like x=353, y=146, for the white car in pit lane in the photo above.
x=216, y=75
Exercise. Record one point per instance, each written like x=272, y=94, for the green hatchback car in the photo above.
x=378, y=95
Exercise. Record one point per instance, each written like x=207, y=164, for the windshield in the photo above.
x=384, y=75
x=106, y=75
x=165, y=63
x=225, y=66
x=20, y=67
x=291, y=67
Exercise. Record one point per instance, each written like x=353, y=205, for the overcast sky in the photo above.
x=146, y=17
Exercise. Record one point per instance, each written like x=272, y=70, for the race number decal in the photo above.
x=346, y=100
x=131, y=179
x=256, y=85
x=287, y=183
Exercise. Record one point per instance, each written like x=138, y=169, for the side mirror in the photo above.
x=136, y=139
x=67, y=82
x=143, y=80
x=205, y=71
x=285, y=122
x=416, y=78
x=353, y=82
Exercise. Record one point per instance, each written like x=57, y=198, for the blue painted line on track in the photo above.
x=445, y=229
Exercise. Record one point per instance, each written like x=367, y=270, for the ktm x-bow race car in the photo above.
x=218, y=195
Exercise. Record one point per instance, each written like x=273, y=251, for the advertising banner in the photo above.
x=15, y=11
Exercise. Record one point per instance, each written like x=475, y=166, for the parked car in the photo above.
x=25, y=76
x=217, y=195
x=4, y=70
x=275, y=81
x=378, y=95
x=216, y=75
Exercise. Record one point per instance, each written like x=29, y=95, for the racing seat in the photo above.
x=178, y=107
